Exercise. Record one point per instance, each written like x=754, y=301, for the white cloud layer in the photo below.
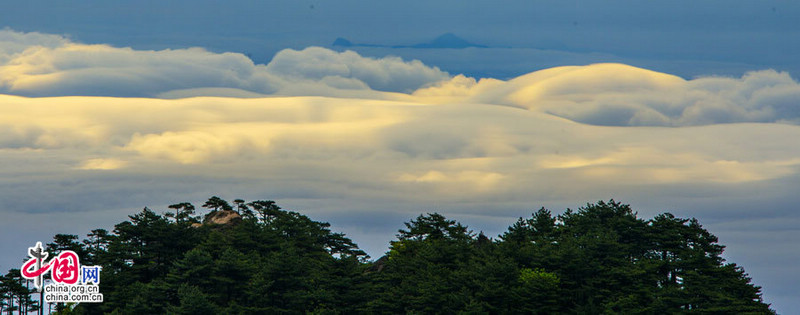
x=621, y=95
x=348, y=70
x=34, y=64
x=444, y=149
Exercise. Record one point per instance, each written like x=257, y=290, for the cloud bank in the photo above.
x=621, y=95
x=34, y=64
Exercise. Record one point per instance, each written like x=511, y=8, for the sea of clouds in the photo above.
x=38, y=65
x=89, y=133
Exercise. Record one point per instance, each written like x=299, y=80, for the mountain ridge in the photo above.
x=444, y=41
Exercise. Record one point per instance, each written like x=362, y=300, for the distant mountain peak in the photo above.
x=342, y=42
x=448, y=40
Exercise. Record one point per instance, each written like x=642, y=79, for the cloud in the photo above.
x=188, y=146
x=77, y=69
x=349, y=70
x=102, y=164
x=458, y=182
x=392, y=137
x=33, y=64
x=621, y=95
x=488, y=136
x=14, y=43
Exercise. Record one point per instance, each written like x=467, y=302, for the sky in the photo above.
x=670, y=106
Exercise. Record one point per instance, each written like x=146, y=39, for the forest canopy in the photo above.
x=256, y=258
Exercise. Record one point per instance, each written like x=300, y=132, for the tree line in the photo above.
x=600, y=258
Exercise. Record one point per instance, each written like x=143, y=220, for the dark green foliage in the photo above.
x=16, y=293
x=283, y=263
x=601, y=258
x=183, y=213
x=609, y=261
x=192, y=300
x=216, y=203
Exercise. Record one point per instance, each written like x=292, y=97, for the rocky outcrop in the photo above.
x=222, y=217
x=378, y=265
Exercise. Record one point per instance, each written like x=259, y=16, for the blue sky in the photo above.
x=681, y=106
x=681, y=37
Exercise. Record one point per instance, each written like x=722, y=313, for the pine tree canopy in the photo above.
x=600, y=258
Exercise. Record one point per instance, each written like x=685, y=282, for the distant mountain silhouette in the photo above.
x=342, y=42
x=447, y=40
